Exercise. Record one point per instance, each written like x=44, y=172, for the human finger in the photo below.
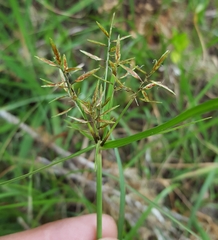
x=78, y=228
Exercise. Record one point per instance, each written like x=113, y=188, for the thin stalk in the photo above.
x=122, y=193
x=108, y=92
x=107, y=64
x=108, y=54
x=98, y=162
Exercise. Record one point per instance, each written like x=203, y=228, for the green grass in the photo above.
x=176, y=167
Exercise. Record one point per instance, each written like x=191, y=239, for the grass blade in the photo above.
x=208, y=106
x=49, y=165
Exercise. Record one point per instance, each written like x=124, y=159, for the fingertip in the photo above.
x=109, y=227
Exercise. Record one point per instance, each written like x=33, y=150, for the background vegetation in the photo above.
x=176, y=170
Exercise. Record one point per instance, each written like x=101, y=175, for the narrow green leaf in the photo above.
x=61, y=113
x=58, y=98
x=186, y=125
x=48, y=166
x=109, y=110
x=208, y=106
x=196, y=173
x=44, y=80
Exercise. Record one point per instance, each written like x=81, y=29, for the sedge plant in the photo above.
x=95, y=111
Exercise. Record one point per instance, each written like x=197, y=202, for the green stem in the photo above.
x=98, y=162
x=122, y=193
x=107, y=64
x=108, y=92
x=108, y=54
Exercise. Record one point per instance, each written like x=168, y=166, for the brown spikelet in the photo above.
x=47, y=61
x=97, y=43
x=55, y=51
x=103, y=29
x=159, y=62
x=72, y=69
x=145, y=95
x=117, y=54
x=79, y=120
x=163, y=86
x=86, y=75
x=131, y=72
x=149, y=86
x=113, y=68
x=96, y=58
x=65, y=62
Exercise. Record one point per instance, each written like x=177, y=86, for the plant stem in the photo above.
x=108, y=53
x=98, y=162
x=122, y=193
